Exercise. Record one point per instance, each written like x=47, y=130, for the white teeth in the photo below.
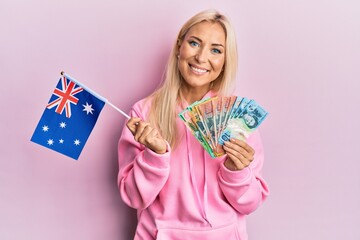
x=198, y=70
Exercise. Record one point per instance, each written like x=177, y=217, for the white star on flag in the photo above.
x=50, y=142
x=62, y=124
x=45, y=128
x=77, y=142
x=88, y=108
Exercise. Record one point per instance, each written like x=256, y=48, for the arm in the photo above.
x=245, y=189
x=142, y=171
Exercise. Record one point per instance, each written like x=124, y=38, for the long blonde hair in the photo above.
x=165, y=99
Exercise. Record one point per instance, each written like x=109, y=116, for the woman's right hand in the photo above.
x=147, y=135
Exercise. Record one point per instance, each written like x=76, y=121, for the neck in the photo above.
x=191, y=94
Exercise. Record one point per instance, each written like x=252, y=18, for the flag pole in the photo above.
x=95, y=94
x=117, y=109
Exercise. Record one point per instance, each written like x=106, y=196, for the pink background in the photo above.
x=299, y=59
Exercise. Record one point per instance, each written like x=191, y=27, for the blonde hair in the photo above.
x=165, y=99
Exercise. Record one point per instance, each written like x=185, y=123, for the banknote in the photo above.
x=244, y=101
x=224, y=107
x=236, y=105
x=199, y=121
x=195, y=121
x=215, y=120
x=184, y=115
x=206, y=112
x=217, y=111
x=245, y=123
x=227, y=109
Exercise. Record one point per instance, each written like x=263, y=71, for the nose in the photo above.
x=201, y=56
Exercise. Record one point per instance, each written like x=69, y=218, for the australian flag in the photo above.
x=69, y=118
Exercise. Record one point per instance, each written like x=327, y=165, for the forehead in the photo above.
x=208, y=31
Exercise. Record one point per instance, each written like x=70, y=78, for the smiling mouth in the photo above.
x=198, y=70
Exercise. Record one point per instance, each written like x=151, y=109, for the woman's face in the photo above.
x=202, y=55
x=249, y=120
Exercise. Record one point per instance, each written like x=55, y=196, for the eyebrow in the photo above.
x=213, y=44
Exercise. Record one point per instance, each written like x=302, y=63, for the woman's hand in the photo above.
x=240, y=154
x=147, y=135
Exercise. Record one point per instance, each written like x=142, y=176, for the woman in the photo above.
x=179, y=191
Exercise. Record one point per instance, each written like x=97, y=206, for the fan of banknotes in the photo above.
x=215, y=120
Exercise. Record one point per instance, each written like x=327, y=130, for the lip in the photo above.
x=198, y=70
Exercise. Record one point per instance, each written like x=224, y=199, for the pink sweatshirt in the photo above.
x=184, y=193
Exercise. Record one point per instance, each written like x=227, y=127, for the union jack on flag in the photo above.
x=65, y=96
x=67, y=133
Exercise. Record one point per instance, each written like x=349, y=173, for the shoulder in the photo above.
x=142, y=107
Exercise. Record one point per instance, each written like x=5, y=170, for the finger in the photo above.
x=132, y=124
x=153, y=134
x=236, y=148
x=243, y=144
x=154, y=141
x=239, y=161
x=152, y=137
x=239, y=156
x=145, y=134
x=238, y=164
x=245, y=149
x=139, y=129
x=245, y=161
x=245, y=154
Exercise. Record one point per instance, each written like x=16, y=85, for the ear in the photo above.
x=178, y=45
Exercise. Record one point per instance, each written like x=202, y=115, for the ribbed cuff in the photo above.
x=235, y=176
x=157, y=160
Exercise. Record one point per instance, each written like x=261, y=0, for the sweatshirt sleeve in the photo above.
x=142, y=172
x=246, y=189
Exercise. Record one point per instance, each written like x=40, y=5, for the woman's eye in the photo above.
x=215, y=50
x=194, y=44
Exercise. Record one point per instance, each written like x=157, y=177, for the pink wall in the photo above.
x=300, y=59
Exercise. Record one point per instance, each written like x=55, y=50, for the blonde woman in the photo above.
x=179, y=191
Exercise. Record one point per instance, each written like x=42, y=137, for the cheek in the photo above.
x=218, y=64
x=184, y=51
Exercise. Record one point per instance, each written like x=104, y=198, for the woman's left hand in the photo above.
x=240, y=154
